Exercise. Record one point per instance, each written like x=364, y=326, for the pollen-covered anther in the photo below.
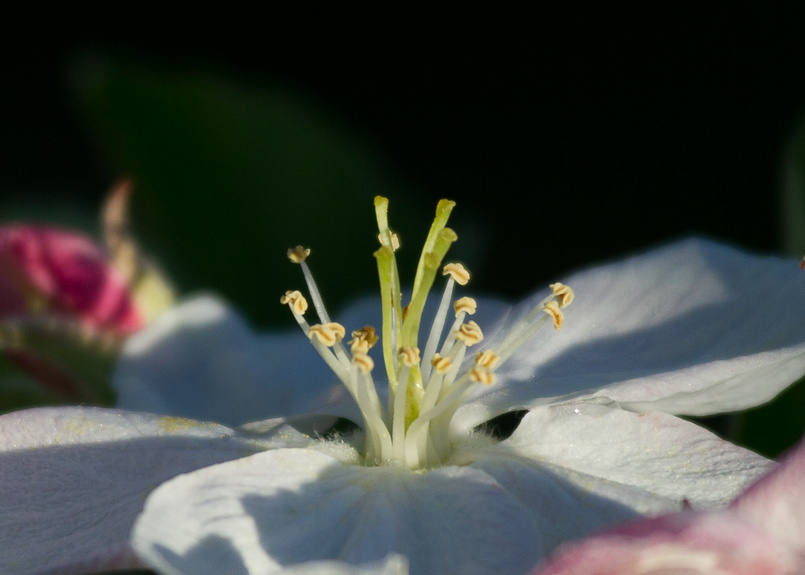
x=441, y=364
x=458, y=272
x=366, y=333
x=298, y=254
x=409, y=355
x=295, y=300
x=487, y=359
x=552, y=309
x=363, y=362
x=563, y=293
x=326, y=334
x=466, y=305
x=481, y=375
x=470, y=333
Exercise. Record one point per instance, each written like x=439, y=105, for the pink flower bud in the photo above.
x=50, y=271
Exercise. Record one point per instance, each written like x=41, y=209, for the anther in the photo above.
x=458, y=272
x=481, y=375
x=552, y=309
x=337, y=329
x=409, y=355
x=441, y=364
x=563, y=294
x=295, y=300
x=363, y=362
x=470, y=333
x=324, y=334
x=366, y=333
x=298, y=254
x=487, y=359
x=465, y=304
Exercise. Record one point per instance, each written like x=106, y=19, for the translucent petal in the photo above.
x=694, y=327
x=72, y=480
x=201, y=360
x=289, y=506
x=650, y=462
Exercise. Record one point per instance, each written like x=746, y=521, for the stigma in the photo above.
x=426, y=385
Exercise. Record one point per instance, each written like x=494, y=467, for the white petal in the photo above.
x=650, y=462
x=201, y=360
x=72, y=480
x=694, y=327
x=289, y=506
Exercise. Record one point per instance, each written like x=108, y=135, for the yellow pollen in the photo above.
x=465, y=304
x=552, y=309
x=324, y=333
x=482, y=375
x=486, y=359
x=441, y=364
x=563, y=293
x=363, y=362
x=366, y=333
x=470, y=333
x=296, y=301
x=298, y=254
x=395, y=241
x=409, y=355
x=458, y=272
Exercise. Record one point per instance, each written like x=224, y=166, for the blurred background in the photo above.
x=566, y=137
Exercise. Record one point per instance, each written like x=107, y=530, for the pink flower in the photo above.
x=51, y=271
x=761, y=533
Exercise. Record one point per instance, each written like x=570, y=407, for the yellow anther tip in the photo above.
x=470, y=333
x=295, y=300
x=487, y=359
x=363, y=362
x=482, y=375
x=298, y=254
x=563, y=294
x=441, y=364
x=323, y=334
x=409, y=355
x=552, y=309
x=458, y=272
x=466, y=305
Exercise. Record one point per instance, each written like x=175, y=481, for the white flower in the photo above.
x=692, y=328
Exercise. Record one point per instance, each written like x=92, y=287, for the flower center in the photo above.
x=425, y=387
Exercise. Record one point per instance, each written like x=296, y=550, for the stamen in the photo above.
x=457, y=272
x=298, y=254
x=482, y=375
x=563, y=293
x=441, y=364
x=486, y=359
x=552, y=309
x=465, y=305
x=363, y=362
x=470, y=333
x=325, y=334
x=366, y=334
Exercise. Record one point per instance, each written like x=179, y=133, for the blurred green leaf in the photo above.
x=229, y=175
x=69, y=359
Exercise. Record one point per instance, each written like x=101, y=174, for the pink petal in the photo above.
x=776, y=502
x=687, y=543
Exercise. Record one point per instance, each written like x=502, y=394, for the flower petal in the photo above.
x=289, y=506
x=695, y=327
x=776, y=502
x=72, y=480
x=201, y=360
x=695, y=543
x=650, y=462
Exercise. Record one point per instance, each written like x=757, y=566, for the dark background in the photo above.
x=566, y=136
